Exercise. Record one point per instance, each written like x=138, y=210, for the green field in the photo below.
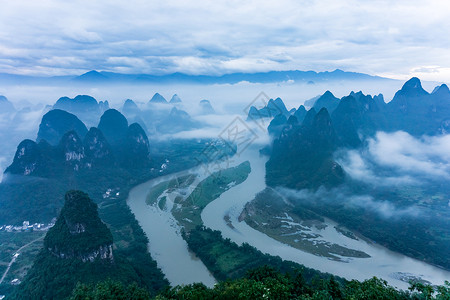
x=188, y=211
x=10, y=242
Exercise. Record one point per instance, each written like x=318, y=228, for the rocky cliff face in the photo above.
x=72, y=150
x=137, y=147
x=79, y=233
x=27, y=160
x=97, y=150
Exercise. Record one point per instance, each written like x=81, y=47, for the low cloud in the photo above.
x=399, y=158
x=342, y=196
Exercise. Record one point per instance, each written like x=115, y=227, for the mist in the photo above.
x=229, y=101
x=344, y=196
x=398, y=158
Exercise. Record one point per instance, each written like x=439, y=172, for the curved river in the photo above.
x=170, y=251
x=166, y=245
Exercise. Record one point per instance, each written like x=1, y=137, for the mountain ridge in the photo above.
x=105, y=77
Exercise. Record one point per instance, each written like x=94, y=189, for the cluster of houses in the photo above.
x=111, y=193
x=26, y=226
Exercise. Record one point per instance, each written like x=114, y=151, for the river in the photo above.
x=166, y=245
x=171, y=253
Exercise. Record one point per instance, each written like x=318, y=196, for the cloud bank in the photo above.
x=383, y=208
x=398, y=39
x=399, y=158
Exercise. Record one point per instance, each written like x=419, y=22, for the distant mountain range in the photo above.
x=95, y=77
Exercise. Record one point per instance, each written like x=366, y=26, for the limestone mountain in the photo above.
x=97, y=149
x=79, y=104
x=114, y=127
x=175, y=99
x=416, y=111
x=137, y=147
x=206, y=107
x=71, y=147
x=177, y=120
x=157, y=98
x=78, y=248
x=359, y=115
x=27, y=160
x=78, y=232
x=56, y=123
x=85, y=107
x=310, y=102
x=130, y=108
x=92, y=77
x=5, y=105
x=103, y=105
x=303, y=157
x=300, y=113
x=272, y=109
x=327, y=100
x=276, y=125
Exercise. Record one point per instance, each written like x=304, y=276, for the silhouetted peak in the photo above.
x=441, y=90
x=206, y=107
x=175, y=99
x=5, y=105
x=56, y=123
x=300, y=114
x=113, y=125
x=327, y=100
x=178, y=113
x=413, y=83
x=413, y=87
x=327, y=94
x=277, y=104
x=79, y=104
x=137, y=147
x=157, y=98
x=92, y=76
x=130, y=107
x=309, y=117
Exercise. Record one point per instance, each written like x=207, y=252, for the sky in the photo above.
x=397, y=39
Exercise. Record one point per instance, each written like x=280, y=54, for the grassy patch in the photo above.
x=207, y=191
x=10, y=242
x=156, y=191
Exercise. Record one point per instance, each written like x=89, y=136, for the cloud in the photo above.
x=215, y=37
x=399, y=158
x=360, y=169
x=383, y=208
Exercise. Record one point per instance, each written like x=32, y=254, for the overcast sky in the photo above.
x=389, y=38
